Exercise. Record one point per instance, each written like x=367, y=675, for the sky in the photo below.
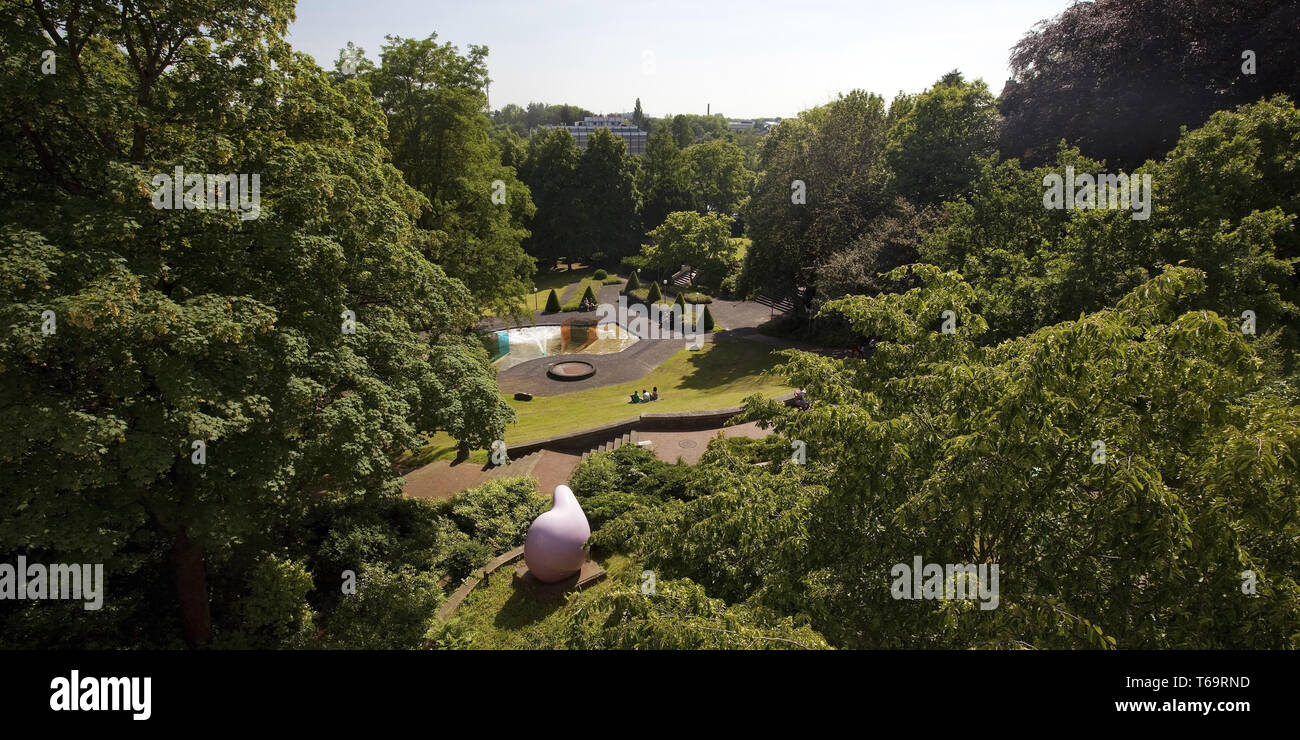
x=743, y=59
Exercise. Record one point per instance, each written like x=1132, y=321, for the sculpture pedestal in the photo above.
x=591, y=573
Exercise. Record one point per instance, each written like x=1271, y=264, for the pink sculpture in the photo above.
x=554, y=548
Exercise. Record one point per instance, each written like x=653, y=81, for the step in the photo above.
x=521, y=466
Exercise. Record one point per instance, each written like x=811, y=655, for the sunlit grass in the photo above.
x=499, y=616
x=718, y=376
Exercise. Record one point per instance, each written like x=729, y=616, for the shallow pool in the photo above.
x=509, y=347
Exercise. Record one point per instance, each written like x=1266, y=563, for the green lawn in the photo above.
x=500, y=617
x=719, y=375
x=558, y=279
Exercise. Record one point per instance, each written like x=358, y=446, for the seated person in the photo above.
x=654, y=393
x=801, y=400
x=635, y=398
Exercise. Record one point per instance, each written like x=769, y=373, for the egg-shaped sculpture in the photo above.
x=555, y=547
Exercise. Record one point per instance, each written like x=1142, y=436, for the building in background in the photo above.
x=633, y=136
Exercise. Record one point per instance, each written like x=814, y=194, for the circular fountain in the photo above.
x=571, y=370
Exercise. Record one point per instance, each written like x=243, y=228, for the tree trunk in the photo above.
x=191, y=589
x=462, y=452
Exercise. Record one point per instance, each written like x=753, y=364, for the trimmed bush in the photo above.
x=709, y=325
x=697, y=298
x=600, y=275
x=640, y=295
x=552, y=303
x=655, y=294
x=588, y=294
x=612, y=280
x=632, y=283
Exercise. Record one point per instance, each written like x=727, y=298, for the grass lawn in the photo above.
x=502, y=618
x=717, y=376
x=741, y=245
x=558, y=279
x=571, y=296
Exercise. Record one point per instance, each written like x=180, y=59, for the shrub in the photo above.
x=655, y=295
x=697, y=298
x=391, y=610
x=588, y=294
x=600, y=274
x=633, y=283
x=464, y=558
x=730, y=285
x=552, y=303
x=709, y=325
x=640, y=295
x=630, y=264
x=612, y=280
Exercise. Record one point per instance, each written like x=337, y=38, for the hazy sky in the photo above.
x=748, y=59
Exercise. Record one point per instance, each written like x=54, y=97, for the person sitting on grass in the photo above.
x=635, y=398
x=654, y=393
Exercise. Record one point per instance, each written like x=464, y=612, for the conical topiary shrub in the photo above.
x=552, y=303
x=632, y=283
x=656, y=295
x=684, y=319
x=708, y=320
x=588, y=295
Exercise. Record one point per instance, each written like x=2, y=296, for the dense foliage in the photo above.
x=1117, y=78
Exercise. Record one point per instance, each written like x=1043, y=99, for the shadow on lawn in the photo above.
x=728, y=361
x=520, y=610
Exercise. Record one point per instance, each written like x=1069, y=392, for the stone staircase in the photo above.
x=514, y=468
x=630, y=438
x=780, y=303
x=683, y=277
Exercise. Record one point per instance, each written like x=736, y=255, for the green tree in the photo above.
x=551, y=172
x=687, y=238
x=177, y=326
x=933, y=147
x=1072, y=77
x=939, y=447
x=720, y=182
x=639, y=118
x=608, y=198
x=681, y=131
x=835, y=153
x=666, y=179
x=442, y=142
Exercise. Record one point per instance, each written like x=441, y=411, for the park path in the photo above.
x=443, y=479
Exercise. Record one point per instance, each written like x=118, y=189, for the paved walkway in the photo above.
x=441, y=480
x=444, y=479
x=690, y=446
